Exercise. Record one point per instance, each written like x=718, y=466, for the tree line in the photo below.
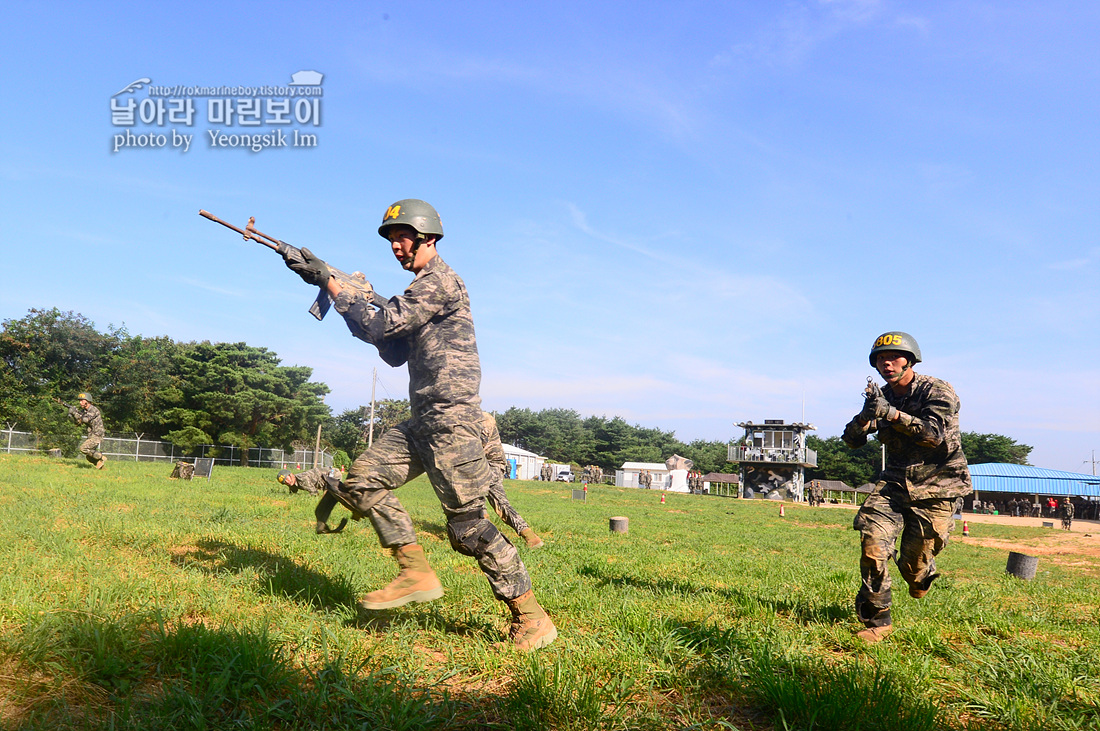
x=194, y=393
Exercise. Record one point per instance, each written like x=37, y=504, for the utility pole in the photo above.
x=373, y=381
x=1093, y=460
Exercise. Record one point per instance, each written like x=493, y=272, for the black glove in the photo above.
x=311, y=269
x=875, y=405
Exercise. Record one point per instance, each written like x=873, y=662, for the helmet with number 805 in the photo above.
x=896, y=341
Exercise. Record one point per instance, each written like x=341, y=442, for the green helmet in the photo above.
x=896, y=341
x=414, y=213
x=84, y=397
x=281, y=477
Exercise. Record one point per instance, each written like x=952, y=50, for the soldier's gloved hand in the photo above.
x=311, y=269
x=875, y=405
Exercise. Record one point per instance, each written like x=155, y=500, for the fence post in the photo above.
x=11, y=427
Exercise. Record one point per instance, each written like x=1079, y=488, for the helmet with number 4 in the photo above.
x=896, y=341
x=414, y=213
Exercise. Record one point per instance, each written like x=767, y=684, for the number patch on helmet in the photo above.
x=391, y=212
x=888, y=339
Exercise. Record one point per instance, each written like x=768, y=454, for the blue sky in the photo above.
x=686, y=214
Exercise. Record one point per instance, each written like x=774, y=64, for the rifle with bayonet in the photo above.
x=356, y=281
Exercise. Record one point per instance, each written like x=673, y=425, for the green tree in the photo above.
x=835, y=461
x=50, y=354
x=141, y=382
x=986, y=448
x=241, y=396
x=345, y=432
x=710, y=456
x=388, y=413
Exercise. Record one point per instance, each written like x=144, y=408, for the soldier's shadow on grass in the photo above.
x=280, y=576
x=800, y=611
x=277, y=575
x=426, y=617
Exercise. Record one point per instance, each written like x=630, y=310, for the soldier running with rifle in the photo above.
x=430, y=328
x=917, y=419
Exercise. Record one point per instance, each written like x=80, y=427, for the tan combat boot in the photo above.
x=871, y=635
x=102, y=461
x=532, y=539
x=531, y=628
x=415, y=583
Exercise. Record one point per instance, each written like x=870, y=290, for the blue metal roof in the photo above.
x=1002, y=477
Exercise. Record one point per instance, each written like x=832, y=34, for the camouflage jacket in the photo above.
x=429, y=327
x=494, y=450
x=312, y=481
x=90, y=417
x=923, y=447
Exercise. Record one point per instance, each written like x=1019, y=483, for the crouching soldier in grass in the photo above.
x=430, y=328
x=498, y=465
x=87, y=414
x=917, y=419
x=312, y=481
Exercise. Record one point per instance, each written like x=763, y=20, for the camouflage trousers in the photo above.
x=500, y=505
x=90, y=448
x=454, y=459
x=924, y=526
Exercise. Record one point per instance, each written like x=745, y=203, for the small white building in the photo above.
x=627, y=476
x=523, y=465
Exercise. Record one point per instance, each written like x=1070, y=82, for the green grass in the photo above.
x=129, y=601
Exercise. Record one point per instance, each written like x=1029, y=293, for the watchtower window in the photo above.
x=778, y=440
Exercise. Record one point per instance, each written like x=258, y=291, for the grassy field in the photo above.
x=130, y=601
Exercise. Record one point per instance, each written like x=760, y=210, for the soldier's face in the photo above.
x=402, y=239
x=891, y=366
x=83, y=403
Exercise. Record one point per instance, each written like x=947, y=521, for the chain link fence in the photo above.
x=119, y=447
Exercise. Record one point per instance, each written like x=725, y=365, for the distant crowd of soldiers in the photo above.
x=1022, y=508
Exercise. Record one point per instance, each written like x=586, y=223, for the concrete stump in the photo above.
x=1021, y=565
x=619, y=524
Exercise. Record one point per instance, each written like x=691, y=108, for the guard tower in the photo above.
x=773, y=457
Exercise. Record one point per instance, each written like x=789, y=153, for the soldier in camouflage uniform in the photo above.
x=546, y=473
x=1067, y=514
x=312, y=480
x=430, y=328
x=88, y=415
x=498, y=464
x=917, y=419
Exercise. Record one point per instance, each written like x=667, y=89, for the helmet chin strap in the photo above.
x=408, y=261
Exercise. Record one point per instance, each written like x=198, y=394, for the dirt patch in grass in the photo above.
x=1076, y=551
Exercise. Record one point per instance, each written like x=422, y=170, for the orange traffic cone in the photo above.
x=966, y=529
x=782, y=512
x=662, y=498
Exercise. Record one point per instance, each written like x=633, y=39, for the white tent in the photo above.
x=627, y=476
x=526, y=465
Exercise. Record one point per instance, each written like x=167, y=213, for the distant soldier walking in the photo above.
x=87, y=414
x=546, y=472
x=917, y=419
x=1067, y=514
